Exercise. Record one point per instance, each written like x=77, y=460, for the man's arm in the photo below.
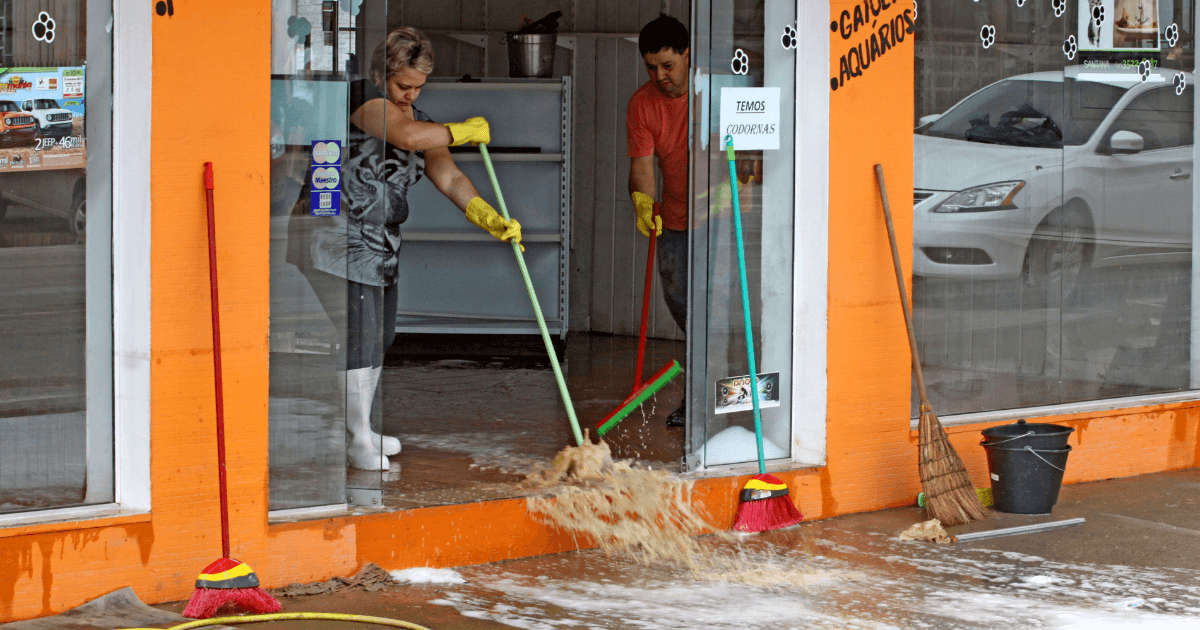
x=641, y=175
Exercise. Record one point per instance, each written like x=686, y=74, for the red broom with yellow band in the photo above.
x=226, y=581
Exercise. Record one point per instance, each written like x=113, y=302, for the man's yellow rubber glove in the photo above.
x=474, y=130
x=646, y=221
x=482, y=214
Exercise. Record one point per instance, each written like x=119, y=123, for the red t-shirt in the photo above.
x=657, y=125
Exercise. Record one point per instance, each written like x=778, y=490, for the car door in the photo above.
x=1147, y=209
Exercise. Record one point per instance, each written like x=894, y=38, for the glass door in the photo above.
x=743, y=87
x=322, y=392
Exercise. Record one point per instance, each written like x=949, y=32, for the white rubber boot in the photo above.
x=388, y=444
x=362, y=451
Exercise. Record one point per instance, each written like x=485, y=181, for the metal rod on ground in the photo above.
x=1014, y=531
x=537, y=309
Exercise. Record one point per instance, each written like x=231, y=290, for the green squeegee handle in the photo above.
x=537, y=310
x=737, y=223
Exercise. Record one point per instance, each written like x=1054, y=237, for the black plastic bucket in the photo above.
x=1026, y=463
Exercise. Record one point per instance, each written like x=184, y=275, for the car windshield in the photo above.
x=1025, y=113
x=9, y=106
x=45, y=103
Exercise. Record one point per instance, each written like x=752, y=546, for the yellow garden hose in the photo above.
x=379, y=621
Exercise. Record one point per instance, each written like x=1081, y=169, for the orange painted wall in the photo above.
x=211, y=96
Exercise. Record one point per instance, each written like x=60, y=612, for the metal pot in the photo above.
x=531, y=55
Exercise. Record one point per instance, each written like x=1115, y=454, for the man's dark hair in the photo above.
x=663, y=32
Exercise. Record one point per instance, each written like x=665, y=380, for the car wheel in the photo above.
x=77, y=221
x=1059, y=255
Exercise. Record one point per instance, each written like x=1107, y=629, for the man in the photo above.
x=657, y=126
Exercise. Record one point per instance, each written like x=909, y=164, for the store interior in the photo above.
x=468, y=386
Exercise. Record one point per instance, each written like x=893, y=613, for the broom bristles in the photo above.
x=205, y=602
x=949, y=494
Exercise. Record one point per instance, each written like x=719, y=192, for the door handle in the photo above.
x=1180, y=175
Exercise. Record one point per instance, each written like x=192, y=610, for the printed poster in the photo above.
x=733, y=393
x=43, y=118
x=1118, y=25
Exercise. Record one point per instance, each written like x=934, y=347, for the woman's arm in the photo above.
x=383, y=119
x=443, y=173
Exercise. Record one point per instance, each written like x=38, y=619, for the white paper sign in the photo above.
x=751, y=116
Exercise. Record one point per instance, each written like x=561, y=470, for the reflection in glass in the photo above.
x=1052, y=207
x=56, y=444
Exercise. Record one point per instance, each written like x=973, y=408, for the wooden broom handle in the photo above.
x=912, y=336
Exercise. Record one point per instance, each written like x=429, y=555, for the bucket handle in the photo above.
x=1024, y=435
x=1035, y=454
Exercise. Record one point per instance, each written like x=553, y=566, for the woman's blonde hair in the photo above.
x=405, y=47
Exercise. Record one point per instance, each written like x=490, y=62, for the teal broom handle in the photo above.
x=537, y=309
x=737, y=225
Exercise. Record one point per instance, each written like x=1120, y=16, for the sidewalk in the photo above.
x=1134, y=562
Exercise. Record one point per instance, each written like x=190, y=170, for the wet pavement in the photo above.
x=1135, y=562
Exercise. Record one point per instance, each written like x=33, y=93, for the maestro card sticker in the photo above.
x=733, y=393
x=325, y=178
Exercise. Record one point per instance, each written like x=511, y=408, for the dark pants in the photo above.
x=363, y=316
x=672, y=257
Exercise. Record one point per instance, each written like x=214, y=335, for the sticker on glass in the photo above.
x=1020, y=3
x=325, y=178
x=298, y=28
x=1180, y=83
x=1070, y=47
x=352, y=6
x=988, y=35
x=788, y=39
x=740, y=63
x=1171, y=35
x=1144, y=70
x=43, y=28
x=1060, y=7
x=733, y=393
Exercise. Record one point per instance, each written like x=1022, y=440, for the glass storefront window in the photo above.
x=744, y=50
x=56, y=419
x=1053, y=202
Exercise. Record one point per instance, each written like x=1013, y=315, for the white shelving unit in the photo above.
x=455, y=278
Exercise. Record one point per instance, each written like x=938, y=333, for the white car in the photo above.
x=51, y=119
x=1044, y=175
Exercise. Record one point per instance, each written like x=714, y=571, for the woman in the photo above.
x=351, y=259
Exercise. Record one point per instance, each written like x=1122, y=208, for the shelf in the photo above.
x=509, y=157
x=473, y=237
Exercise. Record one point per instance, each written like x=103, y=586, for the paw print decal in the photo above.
x=988, y=35
x=789, y=38
x=353, y=6
x=298, y=28
x=915, y=9
x=1144, y=70
x=1171, y=35
x=1180, y=83
x=1020, y=3
x=740, y=63
x=43, y=28
x=1060, y=7
x=1098, y=14
x=1070, y=47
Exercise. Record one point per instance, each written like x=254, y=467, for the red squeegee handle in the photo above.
x=641, y=353
x=216, y=333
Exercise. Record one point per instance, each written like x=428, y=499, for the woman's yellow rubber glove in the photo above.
x=644, y=205
x=474, y=130
x=482, y=214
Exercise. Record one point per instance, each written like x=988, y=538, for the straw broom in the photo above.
x=949, y=494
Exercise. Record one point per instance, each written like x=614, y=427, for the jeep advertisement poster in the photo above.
x=41, y=118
